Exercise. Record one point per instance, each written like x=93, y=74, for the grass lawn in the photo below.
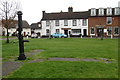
x=8, y=37
x=65, y=69
x=69, y=48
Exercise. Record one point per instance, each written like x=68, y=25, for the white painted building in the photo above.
x=12, y=30
x=69, y=23
x=36, y=28
x=0, y=28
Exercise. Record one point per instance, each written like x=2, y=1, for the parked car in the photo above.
x=34, y=35
x=59, y=35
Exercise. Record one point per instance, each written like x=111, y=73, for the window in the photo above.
x=47, y=31
x=117, y=11
x=47, y=23
x=57, y=31
x=109, y=11
x=76, y=30
x=65, y=22
x=93, y=12
x=109, y=30
x=84, y=22
x=92, y=31
x=57, y=22
x=116, y=30
x=74, y=22
x=101, y=11
x=109, y=20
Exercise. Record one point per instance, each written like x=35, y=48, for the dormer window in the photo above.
x=101, y=11
x=109, y=11
x=93, y=12
x=117, y=11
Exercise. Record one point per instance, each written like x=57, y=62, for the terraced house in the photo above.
x=105, y=21
x=13, y=26
x=94, y=22
x=69, y=23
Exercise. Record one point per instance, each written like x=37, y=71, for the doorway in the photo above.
x=99, y=32
x=66, y=32
x=85, y=32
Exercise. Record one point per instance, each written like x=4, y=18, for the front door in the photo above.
x=85, y=32
x=66, y=32
x=99, y=32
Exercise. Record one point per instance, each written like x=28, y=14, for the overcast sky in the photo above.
x=32, y=9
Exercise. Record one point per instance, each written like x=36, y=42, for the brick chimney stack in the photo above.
x=70, y=9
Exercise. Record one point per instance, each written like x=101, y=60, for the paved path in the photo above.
x=12, y=65
x=9, y=38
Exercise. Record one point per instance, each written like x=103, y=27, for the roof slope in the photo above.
x=14, y=23
x=66, y=15
x=34, y=26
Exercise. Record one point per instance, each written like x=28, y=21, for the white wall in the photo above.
x=27, y=30
x=0, y=29
x=61, y=25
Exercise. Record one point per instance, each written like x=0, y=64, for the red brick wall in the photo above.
x=93, y=21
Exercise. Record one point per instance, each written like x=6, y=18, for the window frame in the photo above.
x=93, y=12
x=47, y=23
x=117, y=11
x=47, y=32
x=109, y=28
x=92, y=31
x=84, y=22
x=76, y=31
x=65, y=22
x=101, y=11
x=57, y=23
x=57, y=30
x=109, y=11
x=118, y=31
x=109, y=18
x=74, y=22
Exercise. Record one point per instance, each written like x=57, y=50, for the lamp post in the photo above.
x=20, y=37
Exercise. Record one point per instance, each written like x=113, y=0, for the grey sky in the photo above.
x=32, y=9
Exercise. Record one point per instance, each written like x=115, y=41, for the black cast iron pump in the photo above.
x=20, y=37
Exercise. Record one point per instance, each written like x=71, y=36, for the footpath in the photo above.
x=12, y=65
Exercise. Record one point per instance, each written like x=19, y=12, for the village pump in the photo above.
x=20, y=37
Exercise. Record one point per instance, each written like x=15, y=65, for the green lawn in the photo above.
x=67, y=47
x=78, y=48
x=65, y=69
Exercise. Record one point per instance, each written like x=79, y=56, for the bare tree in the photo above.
x=8, y=12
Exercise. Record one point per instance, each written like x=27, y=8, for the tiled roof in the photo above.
x=34, y=26
x=66, y=15
x=15, y=23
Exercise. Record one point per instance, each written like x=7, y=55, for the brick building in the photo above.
x=104, y=21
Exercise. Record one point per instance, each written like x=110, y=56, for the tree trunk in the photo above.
x=7, y=36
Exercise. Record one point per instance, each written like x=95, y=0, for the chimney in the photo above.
x=119, y=4
x=43, y=12
x=70, y=9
